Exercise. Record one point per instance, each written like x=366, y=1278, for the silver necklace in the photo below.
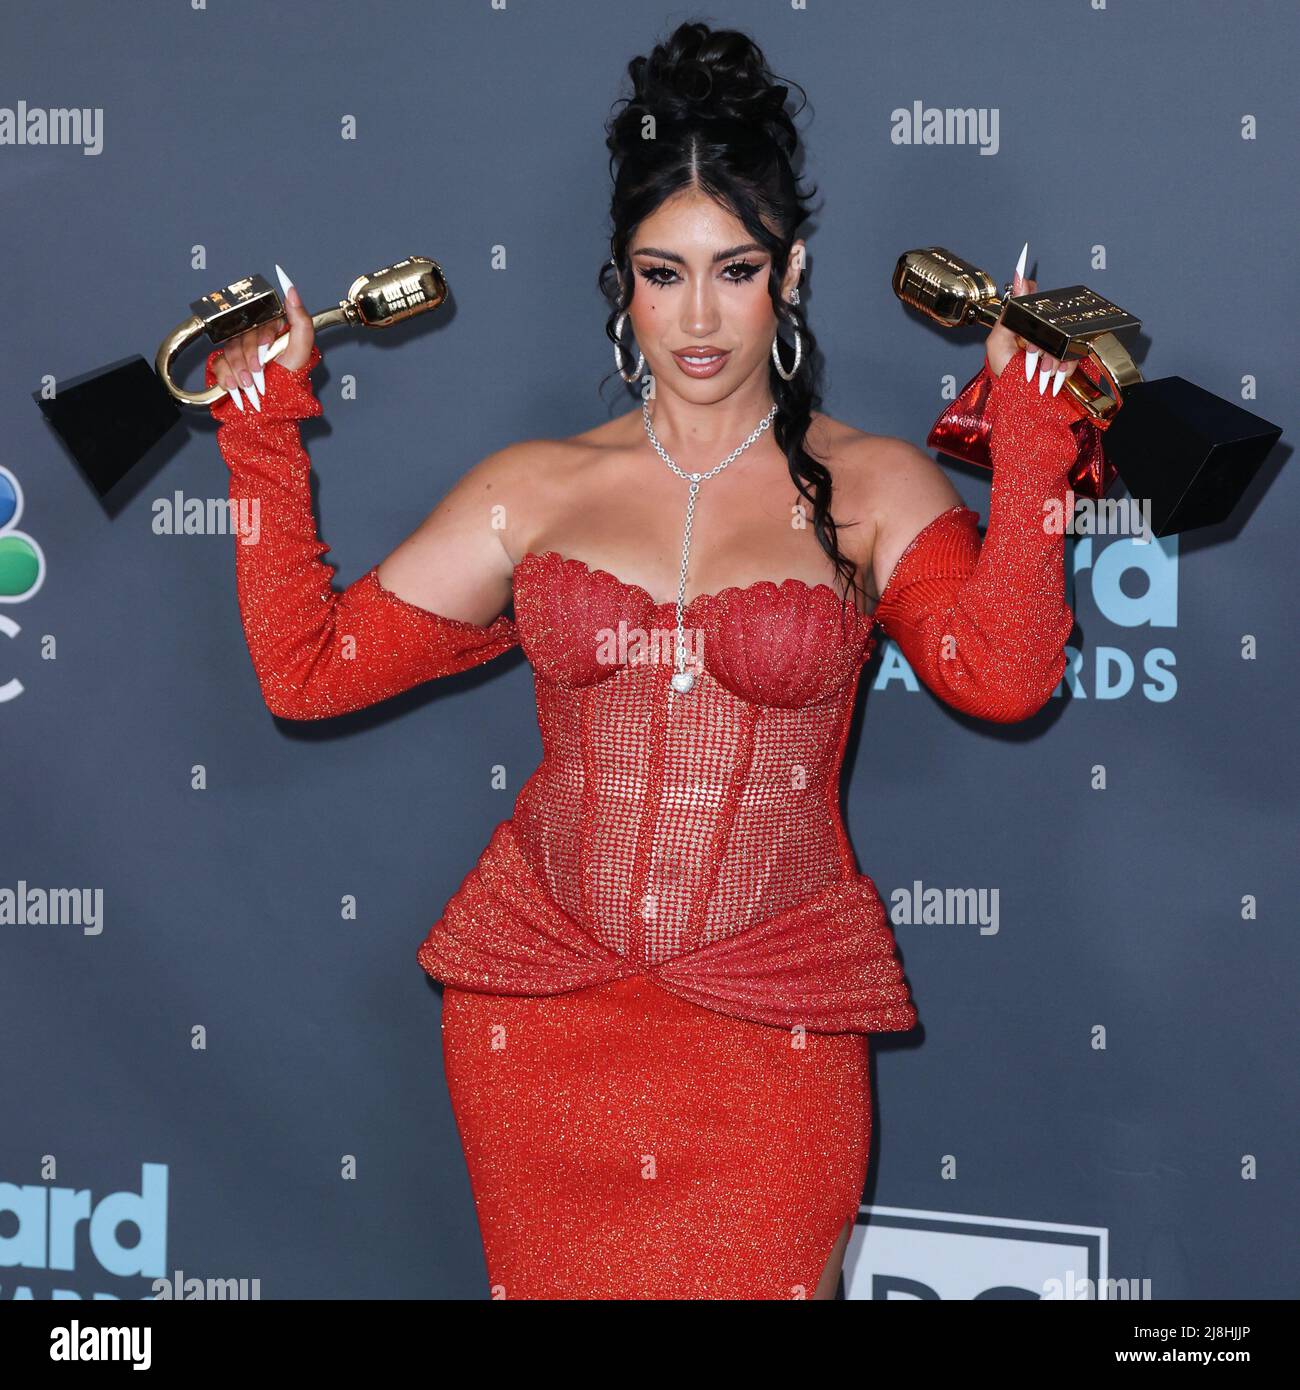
x=682, y=679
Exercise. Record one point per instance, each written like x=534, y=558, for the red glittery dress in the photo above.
x=661, y=975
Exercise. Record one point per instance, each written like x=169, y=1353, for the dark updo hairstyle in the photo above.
x=720, y=125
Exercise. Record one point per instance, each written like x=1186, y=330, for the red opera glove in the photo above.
x=984, y=625
x=963, y=431
x=318, y=652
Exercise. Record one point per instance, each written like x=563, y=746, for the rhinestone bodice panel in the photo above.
x=662, y=821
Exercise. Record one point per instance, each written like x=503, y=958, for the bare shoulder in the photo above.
x=528, y=470
x=499, y=490
x=531, y=483
x=889, y=486
x=515, y=476
x=460, y=560
x=871, y=470
x=516, y=461
x=876, y=475
x=526, y=458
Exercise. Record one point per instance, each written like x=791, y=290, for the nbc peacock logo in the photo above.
x=22, y=563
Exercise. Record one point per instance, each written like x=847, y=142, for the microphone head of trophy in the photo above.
x=946, y=288
x=1188, y=453
x=111, y=418
x=397, y=292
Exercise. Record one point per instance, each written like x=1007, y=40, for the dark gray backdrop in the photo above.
x=1120, y=136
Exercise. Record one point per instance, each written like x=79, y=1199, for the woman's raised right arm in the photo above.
x=317, y=651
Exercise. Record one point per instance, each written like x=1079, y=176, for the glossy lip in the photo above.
x=720, y=358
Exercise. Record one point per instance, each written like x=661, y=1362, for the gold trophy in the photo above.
x=378, y=300
x=111, y=418
x=1191, y=453
x=1069, y=323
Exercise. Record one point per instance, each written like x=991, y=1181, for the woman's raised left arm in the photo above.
x=984, y=624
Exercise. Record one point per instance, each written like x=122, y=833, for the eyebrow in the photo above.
x=680, y=260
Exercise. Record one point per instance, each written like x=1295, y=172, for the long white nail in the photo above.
x=1031, y=361
x=1020, y=264
x=234, y=394
x=260, y=377
x=285, y=283
x=251, y=393
x=1058, y=379
x=1043, y=377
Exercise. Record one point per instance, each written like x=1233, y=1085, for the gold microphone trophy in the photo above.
x=1190, y=453
x=111, y=418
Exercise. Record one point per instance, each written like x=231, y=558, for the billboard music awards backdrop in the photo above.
x=221, y=1058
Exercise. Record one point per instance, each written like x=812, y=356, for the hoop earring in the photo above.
x=798, y=355
x=618, y=352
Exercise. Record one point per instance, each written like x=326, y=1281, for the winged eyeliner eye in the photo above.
x=748, y=269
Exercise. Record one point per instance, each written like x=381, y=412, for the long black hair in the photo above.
x=720, y=125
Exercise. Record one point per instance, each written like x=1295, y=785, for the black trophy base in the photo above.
x=110, y=419
x=1189, y=452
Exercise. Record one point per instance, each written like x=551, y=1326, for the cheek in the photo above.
x=751, y=303
x=644, y=318
x=753, y=317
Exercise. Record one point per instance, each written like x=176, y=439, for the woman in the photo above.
x=661, y=976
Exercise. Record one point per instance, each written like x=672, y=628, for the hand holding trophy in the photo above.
x=240, y=365
x=1002, y=344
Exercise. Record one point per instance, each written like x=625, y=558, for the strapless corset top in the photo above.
x=660, y=821
x=785, y=644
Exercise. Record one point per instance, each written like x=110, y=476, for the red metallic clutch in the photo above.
x=963, y=432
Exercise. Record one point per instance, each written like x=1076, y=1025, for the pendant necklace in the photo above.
x=682, y=679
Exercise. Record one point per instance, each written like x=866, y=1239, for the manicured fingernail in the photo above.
x=251, y=393
x=1061, y=374
x=259, y=379
x=285, y=283
x=1031, y=361
x=1043, y=377
x=1020, y=264
x=233, y=393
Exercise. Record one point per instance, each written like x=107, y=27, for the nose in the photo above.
x=700, y=309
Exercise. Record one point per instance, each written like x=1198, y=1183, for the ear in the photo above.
x=794, y=270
